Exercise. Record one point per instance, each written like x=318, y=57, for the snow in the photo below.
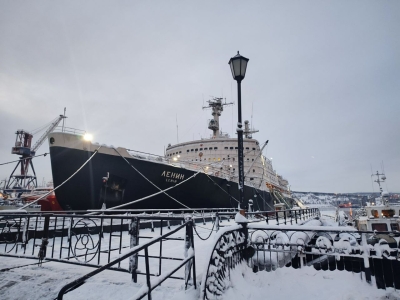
x=240, y=218
x=33, y=282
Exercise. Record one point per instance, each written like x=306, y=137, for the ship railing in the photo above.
x=147, y=156
x=374, y=255
x=75, y=131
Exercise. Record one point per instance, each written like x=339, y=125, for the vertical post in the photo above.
x=295, y=216
x=160, y=257
x=45, y=239
x=366, y=257
x=217, y=221
x=146, y=258
x=133, y=259
x=239, y=130
x=188, y=249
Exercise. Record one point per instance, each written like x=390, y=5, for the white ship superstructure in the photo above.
x=218, y=156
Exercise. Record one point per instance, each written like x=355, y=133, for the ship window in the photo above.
x=388, y=213
x=201, y=149
x=252, y=159
x=256, y=143
x=219, y=159
x=205, y=148
x=196, y=159
x=254, y=148
x=248, y=159
x=228, y=158
x=215, y=148
x=375, y=213
x=234, y=169
x=379, y=227
x=247, y=148
x=233, y=159
x=209, y=158
x=223, y=158
x=192, y=150
x=236, y=147
x=394, y=226
x=226, y=148
x=196, y=149
x=231, y=148
x=214, y=158
x=251, y=178
x=187, y=150
x=254, y=170
x=180, y=151
x=221, y=168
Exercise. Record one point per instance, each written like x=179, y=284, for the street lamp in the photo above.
x=238, y=66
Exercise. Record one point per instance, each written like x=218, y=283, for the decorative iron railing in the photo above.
x=188, y=262
x=268, y=247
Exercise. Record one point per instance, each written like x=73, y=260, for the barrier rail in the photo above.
x=268, y=247
x=188, y=262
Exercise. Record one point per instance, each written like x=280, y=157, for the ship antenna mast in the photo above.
x=379, y=179
x=217, y=106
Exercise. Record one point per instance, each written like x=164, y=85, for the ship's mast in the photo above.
x=379, y=179
x=217, y=106
x=247, y=131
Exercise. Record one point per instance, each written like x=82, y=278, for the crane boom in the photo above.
x=23, y=182
x=44, y=135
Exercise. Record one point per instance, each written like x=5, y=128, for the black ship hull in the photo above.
x=87, y=189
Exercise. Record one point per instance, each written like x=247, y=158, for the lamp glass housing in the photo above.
x=238, y=66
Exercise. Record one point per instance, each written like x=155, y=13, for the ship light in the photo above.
x=88, y=137
x=175, y=158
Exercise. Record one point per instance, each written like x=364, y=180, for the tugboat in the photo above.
x=196, y=174
x=380, y=215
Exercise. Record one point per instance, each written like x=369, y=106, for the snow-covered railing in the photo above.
x=92, y=240
x=268, y=247
x=275, y=217
x=188, y=262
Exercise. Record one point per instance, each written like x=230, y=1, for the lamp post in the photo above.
x=238, y=66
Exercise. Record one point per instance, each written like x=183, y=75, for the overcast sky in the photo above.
x=322, y=84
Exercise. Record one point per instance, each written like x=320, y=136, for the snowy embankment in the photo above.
x=34, y=282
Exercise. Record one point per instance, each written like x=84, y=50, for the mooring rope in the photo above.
x=160, y=190
x=48, y=193
x=21, y=159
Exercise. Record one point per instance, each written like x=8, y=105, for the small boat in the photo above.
x=380, y=215
x=47, y=203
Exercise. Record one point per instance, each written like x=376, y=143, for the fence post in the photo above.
x=216, y=221
x=133, y=259
x=148, y=282
x=189, y=250
x=366, y=258
x=295, y=216
x=45, y=239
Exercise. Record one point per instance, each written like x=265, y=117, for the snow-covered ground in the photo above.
x=34, y=282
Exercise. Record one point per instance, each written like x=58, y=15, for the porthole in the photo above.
x=52, y=140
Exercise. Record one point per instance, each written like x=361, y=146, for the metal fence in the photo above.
x=101, y=238
x=265, y=248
